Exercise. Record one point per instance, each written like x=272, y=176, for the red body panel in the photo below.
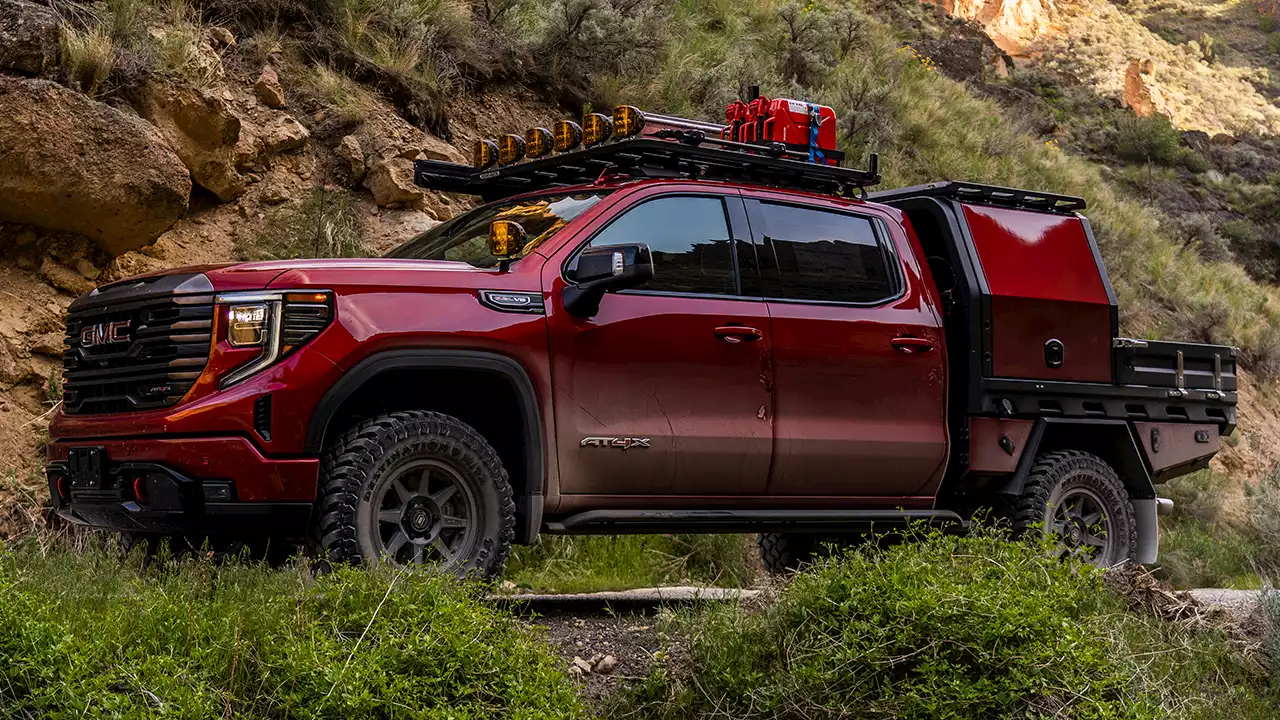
x=985, y=452
x=1045, y=284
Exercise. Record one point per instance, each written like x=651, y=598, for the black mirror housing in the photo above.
x=606, y=269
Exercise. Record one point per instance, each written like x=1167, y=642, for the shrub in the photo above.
x=89, y=635
x=1264, y=507
x=325, y=224
x=1195, y=555
x=89, y=56
x=1210, y=49
x=955, y=627
x=1148, y=139
x=1273, y=44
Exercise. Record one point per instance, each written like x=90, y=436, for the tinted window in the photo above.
x=689, y=238
x=825, y=256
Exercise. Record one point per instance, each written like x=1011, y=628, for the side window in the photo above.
x=826, y=256
x=689, y=238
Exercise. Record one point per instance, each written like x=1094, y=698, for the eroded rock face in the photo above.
x=1140, y=92
x=391, y=181
x=203, y=130
x=1012, y=24
x=74, y=164
x=29, y=38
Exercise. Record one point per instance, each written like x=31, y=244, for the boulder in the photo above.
x=433, y=148
x=29, y=38
x=221, y=38
x=71, y=163
x=283, y=134
x=203, y=130
x=268, y=88
x=391, y=181
x=1140, y=91
x=349, y=150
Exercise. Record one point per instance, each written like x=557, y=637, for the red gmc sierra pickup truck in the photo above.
x=649, y=327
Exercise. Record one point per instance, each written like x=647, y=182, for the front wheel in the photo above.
x=1079, y=500
x=416, y=488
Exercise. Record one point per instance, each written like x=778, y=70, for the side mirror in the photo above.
x=606, y=269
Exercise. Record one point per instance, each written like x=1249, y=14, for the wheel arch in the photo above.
x=340, y=404
x=1115, y=443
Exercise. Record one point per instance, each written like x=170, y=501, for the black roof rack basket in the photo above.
x=643, y=157
x=985, y=195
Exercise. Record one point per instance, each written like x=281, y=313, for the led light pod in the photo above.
x=567, y=135
x=628, y=121
x=485, y=154
x=596, y=128
x=247, y=325
x=510, y=149
x=506, y=239
x=537, y=142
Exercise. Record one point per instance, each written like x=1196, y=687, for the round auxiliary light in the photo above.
x=506, y=239
x=485, y=154
x=596, y=128
x=537, y=142
x=628, y=120
x=510, y=149
x=567, y=135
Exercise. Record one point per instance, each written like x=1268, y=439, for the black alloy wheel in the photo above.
x=425, y=512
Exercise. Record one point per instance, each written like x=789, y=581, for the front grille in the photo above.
x=147, y=343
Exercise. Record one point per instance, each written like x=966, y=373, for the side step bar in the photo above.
x=619, y=522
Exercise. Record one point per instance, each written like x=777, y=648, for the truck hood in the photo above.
x=229, y=277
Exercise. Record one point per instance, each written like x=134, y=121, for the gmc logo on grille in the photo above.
x=104, y=333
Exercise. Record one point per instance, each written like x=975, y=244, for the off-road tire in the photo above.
x=786, y=553
x=1061, y=473
x=373, y=451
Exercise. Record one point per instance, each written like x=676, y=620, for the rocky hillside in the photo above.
x=143, y=134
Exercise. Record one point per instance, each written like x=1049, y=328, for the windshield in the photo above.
x=466, y=237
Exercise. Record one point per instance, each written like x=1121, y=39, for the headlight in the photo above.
x=275, y=322
x=247, y=325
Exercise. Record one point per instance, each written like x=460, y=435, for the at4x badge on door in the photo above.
x=621, y=443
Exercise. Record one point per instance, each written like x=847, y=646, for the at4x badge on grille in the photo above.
x=104, y=333
x=621, y=443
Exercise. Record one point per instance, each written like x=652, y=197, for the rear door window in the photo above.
x=825, y=256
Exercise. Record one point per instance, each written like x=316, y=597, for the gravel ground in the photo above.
x=632, y=639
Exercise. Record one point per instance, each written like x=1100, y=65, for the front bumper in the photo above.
x=187, y=485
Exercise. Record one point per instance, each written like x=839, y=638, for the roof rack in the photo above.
x=985, y=195
x=684, y=154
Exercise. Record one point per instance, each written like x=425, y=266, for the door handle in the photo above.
x=738, y=333
x=910, y=345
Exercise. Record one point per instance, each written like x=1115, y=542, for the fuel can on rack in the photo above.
x=801, y=126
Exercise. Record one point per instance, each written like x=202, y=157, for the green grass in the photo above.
x=87, y=634
x=950, y=627
x=618, y=562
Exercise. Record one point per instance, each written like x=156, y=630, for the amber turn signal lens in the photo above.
x=628, y=120
x=537, y=142
x=510, y=149
x=506, y=239
x=485, y=154
x=567, y=135
x=596, y=128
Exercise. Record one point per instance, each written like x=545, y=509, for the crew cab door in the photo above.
x=859, y=381
x=663, y=391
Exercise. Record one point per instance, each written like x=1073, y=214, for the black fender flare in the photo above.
x=441, y=359
x=1112, y=440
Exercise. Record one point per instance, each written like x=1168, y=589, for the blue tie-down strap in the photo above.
x=815, y=152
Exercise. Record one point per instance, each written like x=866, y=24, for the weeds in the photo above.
x=89, y=56
x=957, y=627
x=88, y=634
x=325, y=224
x=593, y=563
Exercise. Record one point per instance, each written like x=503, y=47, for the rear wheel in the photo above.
x=416, y=488
x=1079, y=500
